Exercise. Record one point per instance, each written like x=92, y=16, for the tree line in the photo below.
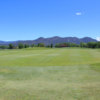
x=58, y=45
x=82, y=45
x=21, y=45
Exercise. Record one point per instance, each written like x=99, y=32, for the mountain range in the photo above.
x=53, y=40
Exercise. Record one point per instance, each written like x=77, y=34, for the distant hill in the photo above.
x=5, y=43
x=52, y=40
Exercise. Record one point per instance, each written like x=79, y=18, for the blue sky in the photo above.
x=30, y=19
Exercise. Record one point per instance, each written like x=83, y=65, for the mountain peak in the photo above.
x=40, y=38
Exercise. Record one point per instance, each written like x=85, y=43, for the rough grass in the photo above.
x=50, y=74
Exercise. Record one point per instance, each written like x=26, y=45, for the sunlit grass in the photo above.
x=50, y=74
x=48, y=57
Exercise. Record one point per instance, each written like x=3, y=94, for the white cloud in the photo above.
x=98, y=38
x=78, y=13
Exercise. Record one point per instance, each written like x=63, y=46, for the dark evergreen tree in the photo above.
x=11, y=46
x=51, y=45
x=26, y=46
x=20, y=46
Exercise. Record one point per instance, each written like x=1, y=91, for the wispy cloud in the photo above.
x=78, y=13
x=98, y=38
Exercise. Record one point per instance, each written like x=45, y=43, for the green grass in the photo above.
x=50, y=74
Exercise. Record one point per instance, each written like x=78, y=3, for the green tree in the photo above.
x=98, y=44
x=41, y=45
x=48, y=46
x=20, y=46
x=32, y=45
x=3, y=47
x=92, y=45
x=51, y=45
x=26, y=46
x=83, y=45
x=11, y=46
